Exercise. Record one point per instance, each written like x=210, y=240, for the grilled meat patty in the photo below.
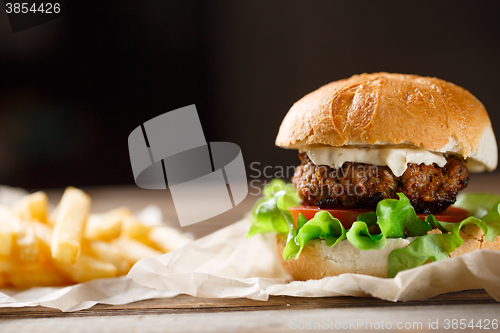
x=429, y=188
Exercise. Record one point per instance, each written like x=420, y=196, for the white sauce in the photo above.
x=396, y=159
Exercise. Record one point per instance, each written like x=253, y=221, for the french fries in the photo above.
x=6, y=232
x=106, y=252
x=106, y=226
x=33, y=206
x=34, y=274
x=69, y=226
x=87, y=268
x=167, y=239
x=39, y=247
x=134, y=250
x=21, y=240
x=26, y=245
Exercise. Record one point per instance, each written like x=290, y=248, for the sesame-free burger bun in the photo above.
x=318, y=260
x=395, y=110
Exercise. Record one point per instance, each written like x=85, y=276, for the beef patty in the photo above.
x=429, y=188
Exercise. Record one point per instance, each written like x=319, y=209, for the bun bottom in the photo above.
x=317, y=260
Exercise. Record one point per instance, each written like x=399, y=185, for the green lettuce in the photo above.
x=322, y=226
x=267, y=215
x=435, y=247
x=478, y=204
x=392, y=219
x=395, y=219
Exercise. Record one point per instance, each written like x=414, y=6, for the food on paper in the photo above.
x=384, y=157
x=73, y=212
x=70, y=245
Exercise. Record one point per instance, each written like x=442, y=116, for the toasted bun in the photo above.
x=393, y=109
x=318, y=260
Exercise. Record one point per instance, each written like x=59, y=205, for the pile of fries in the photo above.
x=70, y=245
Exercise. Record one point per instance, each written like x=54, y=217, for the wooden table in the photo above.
x=279, y=314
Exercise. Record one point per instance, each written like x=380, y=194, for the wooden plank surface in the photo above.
x=189, y=304
x=365, y=319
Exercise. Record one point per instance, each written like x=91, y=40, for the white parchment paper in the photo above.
x=225, y=264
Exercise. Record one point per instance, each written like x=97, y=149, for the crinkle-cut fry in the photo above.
x=6, y=232
x=33, y=206
x=70, y=223
x=87, y=268
x=106, y=226
x=107, y=252
x=134, y=250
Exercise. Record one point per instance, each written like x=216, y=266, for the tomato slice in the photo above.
x=348, y=216
x=452, y=215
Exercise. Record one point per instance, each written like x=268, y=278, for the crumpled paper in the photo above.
x=225, y=264
x=119, y=290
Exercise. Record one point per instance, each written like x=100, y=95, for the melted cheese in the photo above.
x=396, y=159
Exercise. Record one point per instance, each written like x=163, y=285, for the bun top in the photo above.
x=393, y=110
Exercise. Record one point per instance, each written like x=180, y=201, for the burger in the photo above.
x=383, y=159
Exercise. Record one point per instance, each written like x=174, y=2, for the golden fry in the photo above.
x=108, y=253
x=161, y=238
x=6, y=232
x=68, y=229
x=43, y=232
x=35, y=274
x=167, y=239
x=87, y=268
x=134, y=250
x=27, y=247
x=134, y=228
x=33, y=206
x=70, y=245
x=106, y=226
x=22, y=240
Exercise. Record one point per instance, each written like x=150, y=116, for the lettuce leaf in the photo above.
x=360, y=237
x=438, y=246
x=429, y=247
x=269, y=213
x=322, y=226
x=291, y=245
x=397, y=219
x=478, y=204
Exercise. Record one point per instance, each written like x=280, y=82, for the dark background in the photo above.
x=71, y=90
